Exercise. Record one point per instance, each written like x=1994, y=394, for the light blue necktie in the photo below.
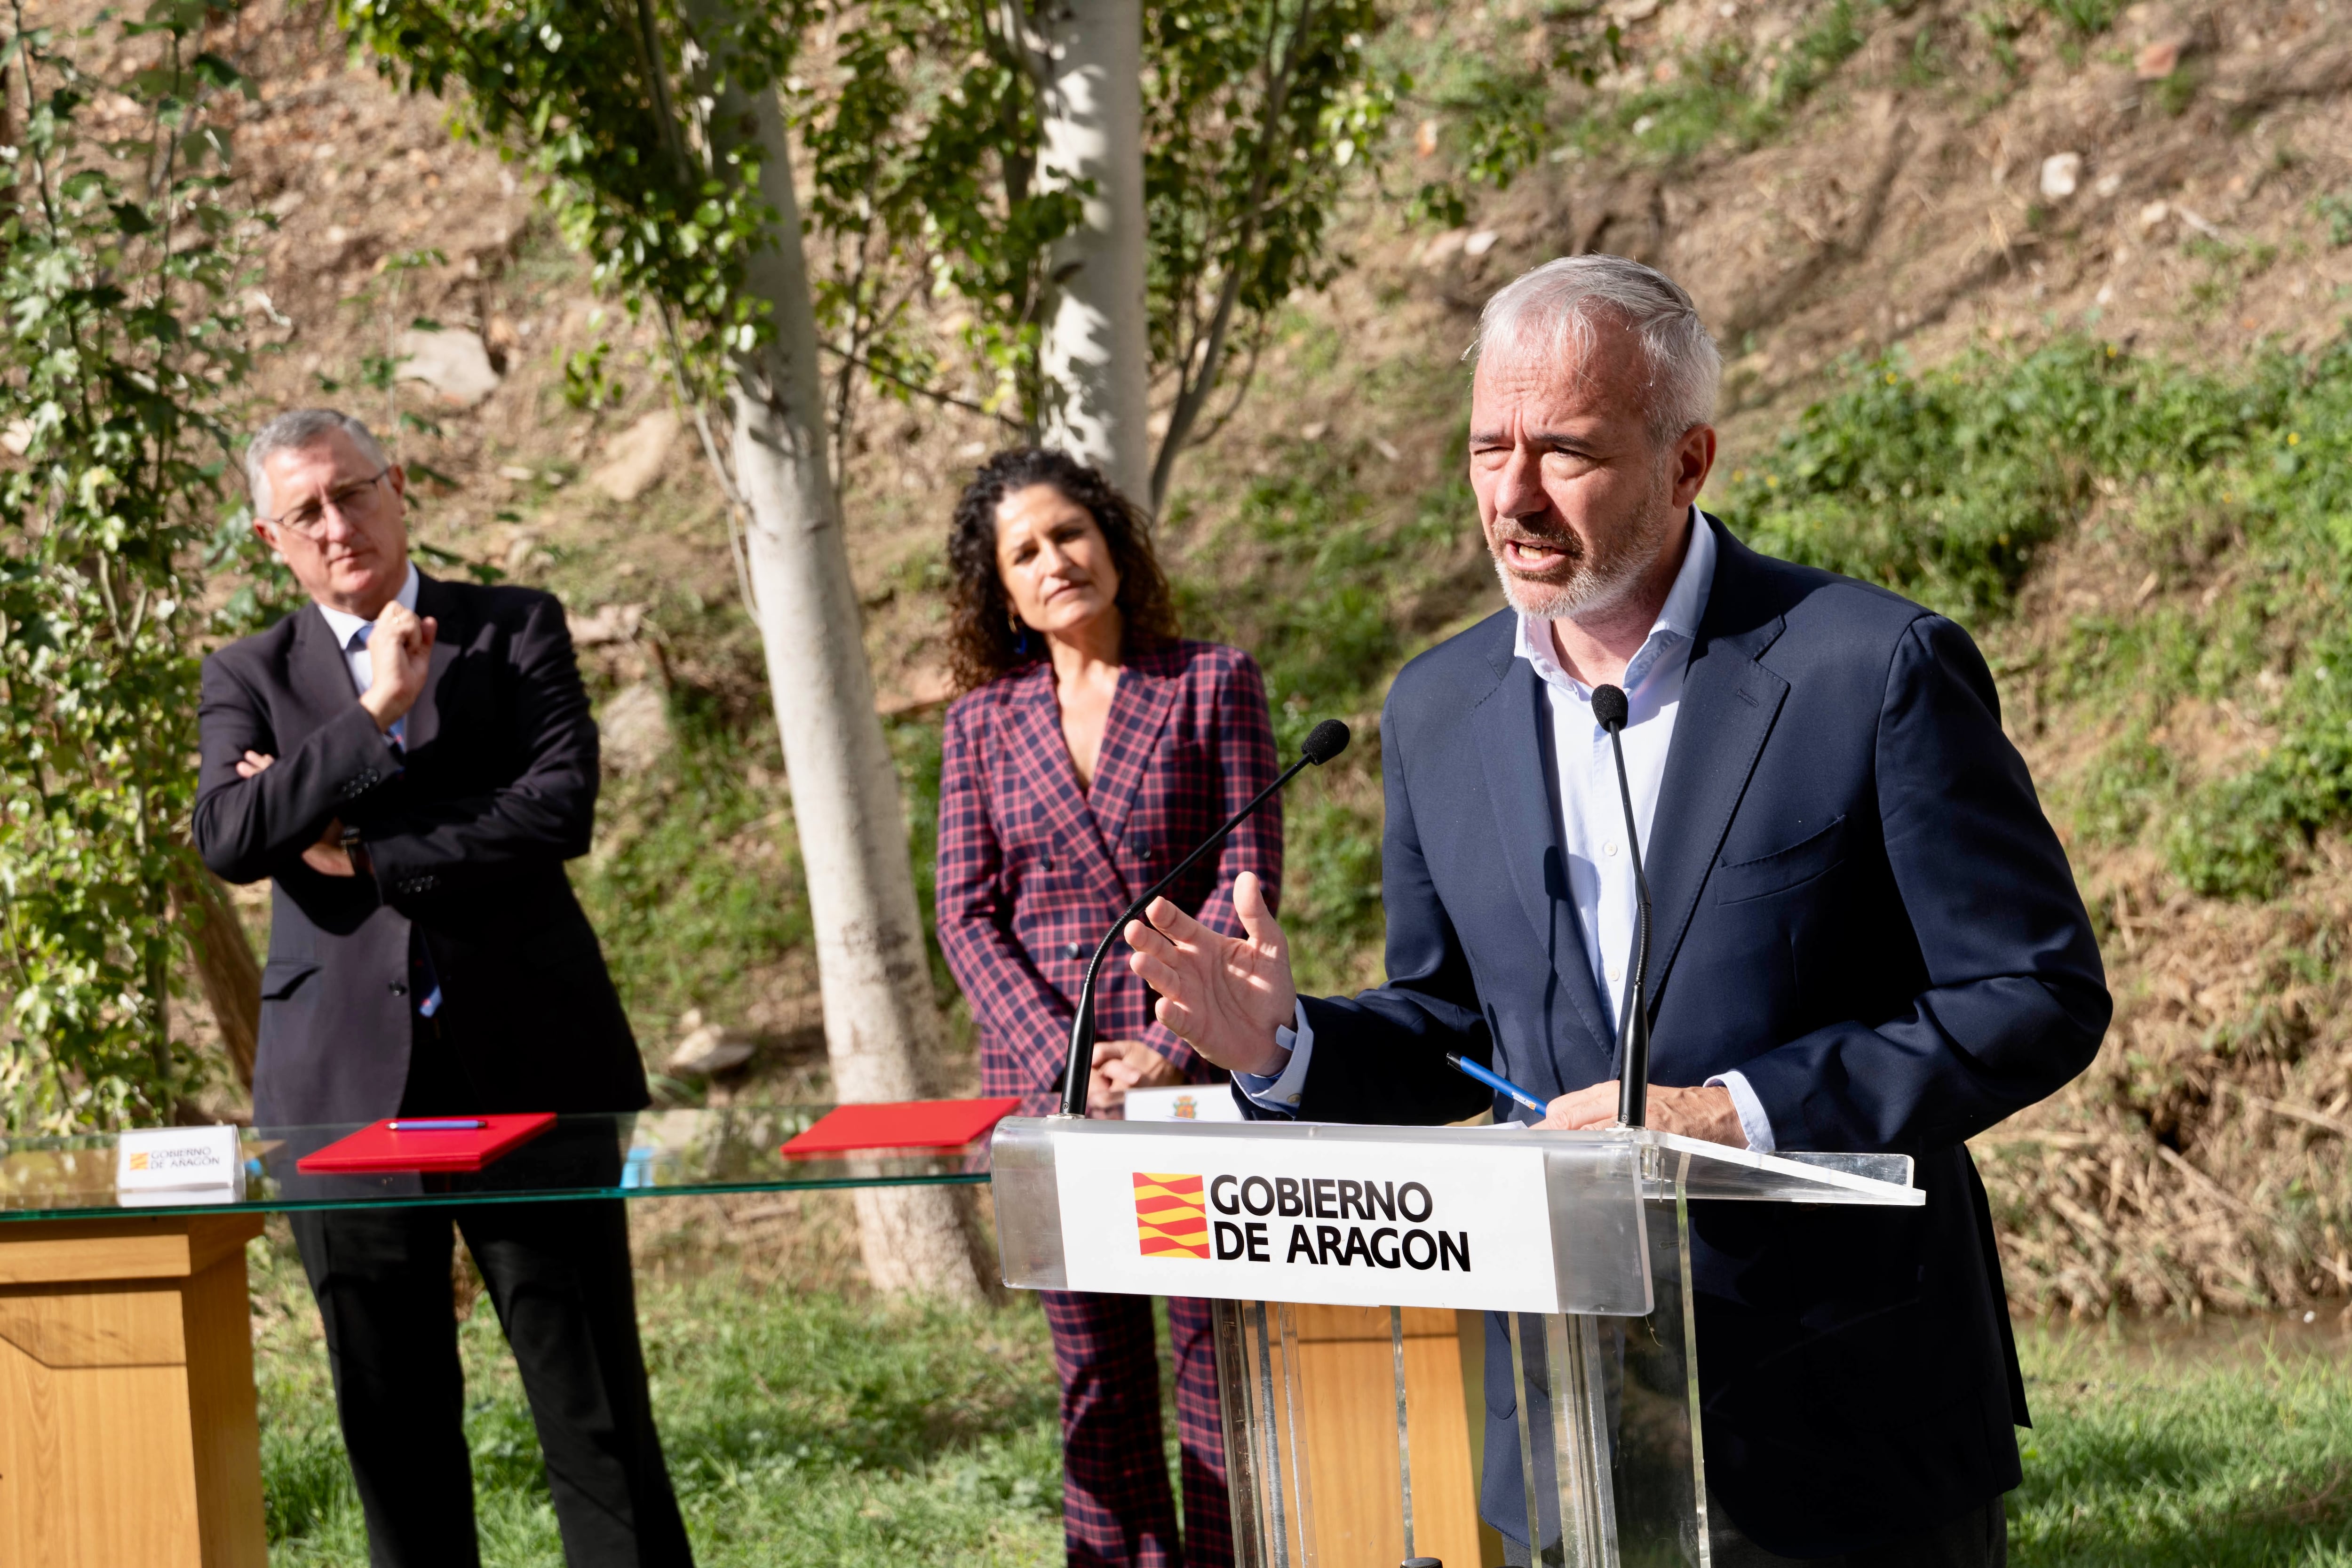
x=398, y=735
x=399, y=730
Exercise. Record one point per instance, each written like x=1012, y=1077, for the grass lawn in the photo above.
x=804, y=1427
x=2226, y=1450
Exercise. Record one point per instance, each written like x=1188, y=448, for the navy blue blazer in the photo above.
x=1858, y=903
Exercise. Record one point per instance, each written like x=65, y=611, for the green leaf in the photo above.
x=216, y=71
x=125, y=363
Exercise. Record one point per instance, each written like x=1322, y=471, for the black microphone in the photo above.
x=1323, y=743
x=1609, y=709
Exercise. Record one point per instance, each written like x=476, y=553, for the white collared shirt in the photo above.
x=1591, y=815
x=346, y=626
x=1592, y=818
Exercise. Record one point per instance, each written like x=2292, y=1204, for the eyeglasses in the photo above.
x=309, y=518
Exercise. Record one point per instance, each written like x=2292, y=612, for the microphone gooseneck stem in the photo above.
x=1634, y=1020
x=1075, y=1071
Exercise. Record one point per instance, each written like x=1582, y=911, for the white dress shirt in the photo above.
x=1593, y=816
x=347, y=627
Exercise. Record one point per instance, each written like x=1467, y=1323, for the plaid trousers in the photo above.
x=1117, y=1510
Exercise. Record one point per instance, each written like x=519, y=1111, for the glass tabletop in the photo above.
x=641, y=1154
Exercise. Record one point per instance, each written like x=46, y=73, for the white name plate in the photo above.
x=1185, y=1102
x=1353, y=1222
x=178, y=1165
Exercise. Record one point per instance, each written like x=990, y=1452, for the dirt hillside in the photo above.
x=1833, y=183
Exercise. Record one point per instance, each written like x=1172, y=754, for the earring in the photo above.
x=1020, y=636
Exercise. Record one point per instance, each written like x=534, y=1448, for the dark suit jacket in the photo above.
x=1858, y=905
x=468, y=833
x=1033, y=869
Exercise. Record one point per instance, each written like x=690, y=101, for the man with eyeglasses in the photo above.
x=411, y=762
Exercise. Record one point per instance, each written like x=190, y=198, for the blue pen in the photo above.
x=1494, y=1080
x=439, y=1124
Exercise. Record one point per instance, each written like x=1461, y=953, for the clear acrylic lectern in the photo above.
x=1579, y=1240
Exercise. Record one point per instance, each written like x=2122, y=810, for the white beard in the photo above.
x=1591, y=590
x=1598, y=585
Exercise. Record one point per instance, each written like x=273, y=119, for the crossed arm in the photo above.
x=263, y=809
x=245, y=827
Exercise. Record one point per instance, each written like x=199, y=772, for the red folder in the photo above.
x=905, y=1124
x=377, y=1149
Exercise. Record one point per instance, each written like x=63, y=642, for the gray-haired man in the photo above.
x=411, y=762
x=1864, y=937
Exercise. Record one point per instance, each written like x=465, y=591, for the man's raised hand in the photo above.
x=400, y=659
x=1221, y=995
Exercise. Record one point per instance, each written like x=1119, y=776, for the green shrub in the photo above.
x=2122, y=789
x=2243, y=836
x=1831, y=38
x=695, y=881
x=2173, y=94
x=2083, y=18
x=1317, y=601
x=1320, y=584
x=1943, y=486
x=1711, y=100
x=2335, y=209
x=121, y=266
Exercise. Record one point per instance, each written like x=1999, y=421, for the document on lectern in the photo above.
x=1293, y=1220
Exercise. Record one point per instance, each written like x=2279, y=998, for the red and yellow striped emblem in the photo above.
x=1171, y=1219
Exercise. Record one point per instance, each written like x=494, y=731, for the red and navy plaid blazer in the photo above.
x=1032, y=869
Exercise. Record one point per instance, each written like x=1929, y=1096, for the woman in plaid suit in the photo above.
x=1092, y=749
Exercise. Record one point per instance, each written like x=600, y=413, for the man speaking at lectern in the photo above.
x=1864, y=935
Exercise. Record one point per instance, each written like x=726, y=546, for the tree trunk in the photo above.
x=1096, y=349
x=881, y=1025
x=225, y=969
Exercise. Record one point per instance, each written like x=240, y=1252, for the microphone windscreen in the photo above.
x=1324, y=741
x=1608, y=707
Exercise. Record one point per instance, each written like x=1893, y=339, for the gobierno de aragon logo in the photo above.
x=1389, y=1229
x=1167, y=1219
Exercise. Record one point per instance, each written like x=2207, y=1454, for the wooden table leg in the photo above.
x=1348, y=1405
x=127, y=1423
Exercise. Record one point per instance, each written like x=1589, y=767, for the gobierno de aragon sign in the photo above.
x=1169, y=1221
x=1387, y=1224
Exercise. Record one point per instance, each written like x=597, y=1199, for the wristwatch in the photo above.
x=357, y=850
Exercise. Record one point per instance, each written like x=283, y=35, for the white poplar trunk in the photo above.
x=1096, y=354
x=880, y=1027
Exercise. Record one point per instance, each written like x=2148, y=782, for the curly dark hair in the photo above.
x=980, y=639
